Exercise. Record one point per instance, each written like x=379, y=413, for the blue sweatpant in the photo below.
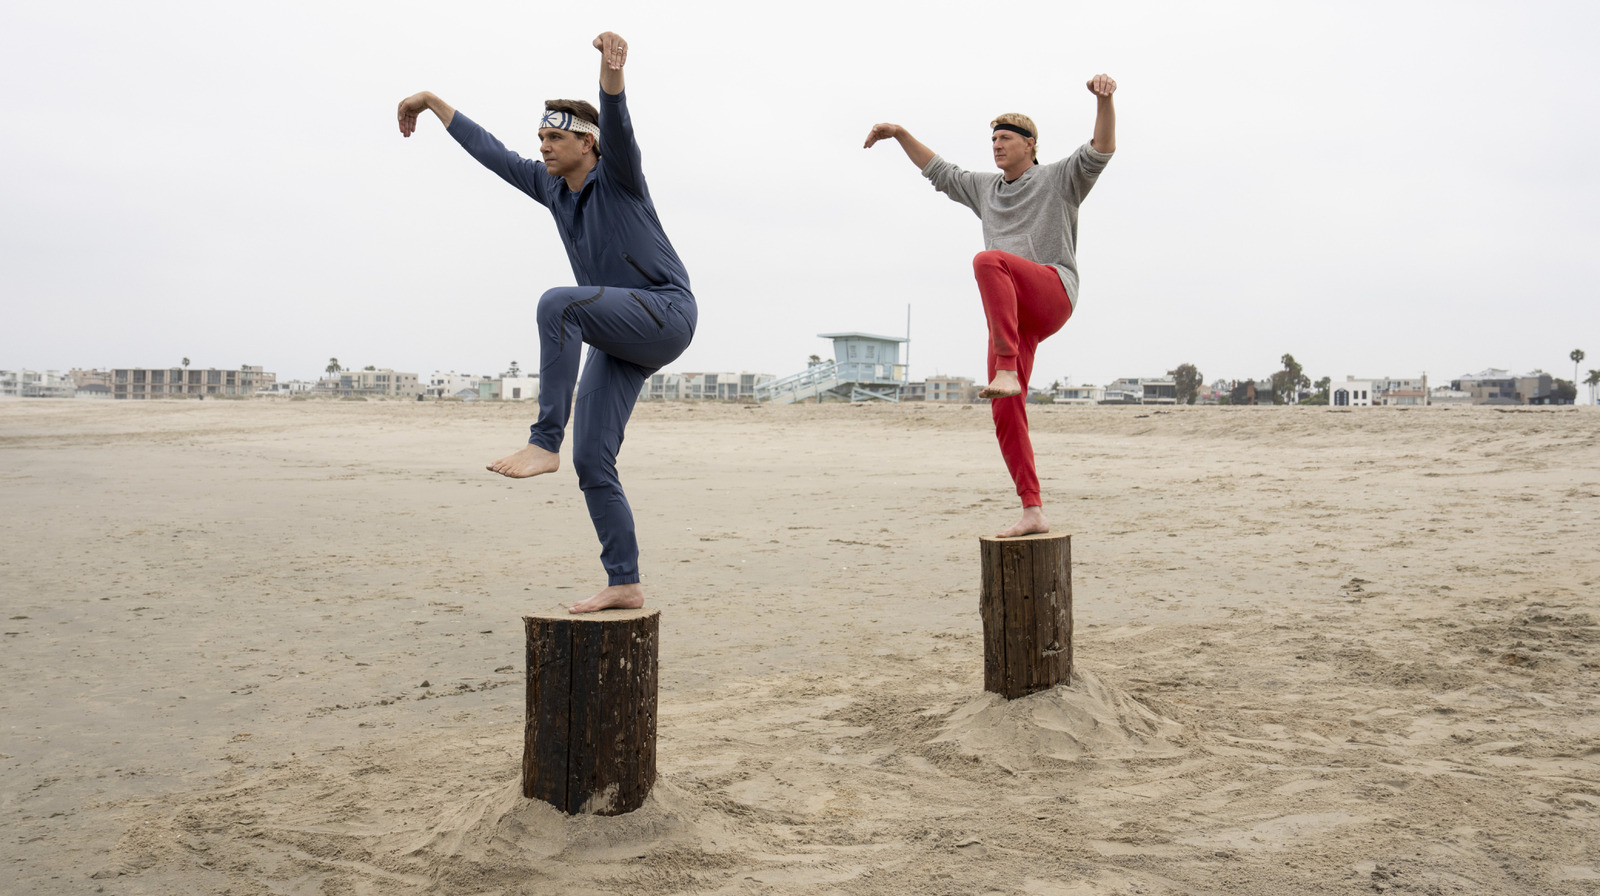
x=631, y=334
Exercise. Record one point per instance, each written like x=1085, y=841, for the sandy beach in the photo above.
x=275, y=647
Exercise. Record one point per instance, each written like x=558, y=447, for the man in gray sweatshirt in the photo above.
x=1028, y=272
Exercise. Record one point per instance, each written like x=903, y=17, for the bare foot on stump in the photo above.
x=613, y=597
x=1004, y=385
x=1032, y=523
x=530, y=461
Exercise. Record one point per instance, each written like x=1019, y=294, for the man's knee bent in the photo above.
x=989, y=258
x=555, y=302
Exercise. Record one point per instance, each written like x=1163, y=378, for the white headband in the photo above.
x=566, y=121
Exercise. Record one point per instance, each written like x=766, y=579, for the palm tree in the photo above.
x=185, y=362
x=1593, y=382
x=333, y=367
x=1576, y=356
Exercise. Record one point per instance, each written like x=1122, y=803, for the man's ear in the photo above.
x=590, y=139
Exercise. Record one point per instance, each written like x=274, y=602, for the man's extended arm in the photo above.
x=412, y=106
x=613, y=54
x=1105, y=117
x=918, y=154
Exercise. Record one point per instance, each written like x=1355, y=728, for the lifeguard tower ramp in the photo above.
x=865, y=367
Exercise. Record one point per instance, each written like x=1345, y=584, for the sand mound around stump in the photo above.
x=1086, y=719
x=500, y=825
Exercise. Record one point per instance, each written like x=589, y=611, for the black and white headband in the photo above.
x=566, y=121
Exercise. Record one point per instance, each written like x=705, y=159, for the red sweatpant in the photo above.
x=1024, y=303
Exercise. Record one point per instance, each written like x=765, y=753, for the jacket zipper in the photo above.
x=648, y=279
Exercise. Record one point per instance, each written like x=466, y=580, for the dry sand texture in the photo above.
x=1321, y=652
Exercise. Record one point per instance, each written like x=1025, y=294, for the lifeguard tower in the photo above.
x=865, y=367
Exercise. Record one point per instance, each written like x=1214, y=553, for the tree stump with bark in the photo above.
x=1026, y=604
x=589, y=745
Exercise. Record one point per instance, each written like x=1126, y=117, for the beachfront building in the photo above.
x=1124, y=390
x=91, y=377
x=917, y=391
x=519, y=388
x=704, y=386
x=1079, y=395
x=137, y=383
x=950, y=389
x=1383, y=385
x=1352, y=393
x=1158, y=391
x=1404, y=398
x=724, y=386
x=450, y=384
x=1494, y=386
x=35, y=384
x=287, y=388
x=374, y=383
x=1448, y=397
x=664, y=387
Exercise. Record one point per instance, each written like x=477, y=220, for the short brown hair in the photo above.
x=578, y=109
x=1021, y=121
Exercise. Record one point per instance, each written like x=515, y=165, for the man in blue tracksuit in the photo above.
x=632, y=304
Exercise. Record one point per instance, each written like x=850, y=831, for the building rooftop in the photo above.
x=862, y=336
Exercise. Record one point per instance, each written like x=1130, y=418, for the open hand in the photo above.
x=880, y=132
x=613, y=49
x=1102, y=85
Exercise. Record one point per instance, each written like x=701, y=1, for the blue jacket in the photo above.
x=609, y=227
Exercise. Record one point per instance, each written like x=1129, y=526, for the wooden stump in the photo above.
x=589, y=745
x=1026, y=604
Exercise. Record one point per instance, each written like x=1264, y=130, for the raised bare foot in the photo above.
x=1032, y=523
x=530, y=461
x=613, y=597
x=1004, y=385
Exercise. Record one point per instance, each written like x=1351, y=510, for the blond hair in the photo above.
x=1021, y=121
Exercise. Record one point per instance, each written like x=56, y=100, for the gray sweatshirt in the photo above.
x=1035, y=216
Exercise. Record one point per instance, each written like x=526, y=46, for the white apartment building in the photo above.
x=519, y=388
x=1352, y=393
x=720, y=386
x=1083, y=395
x=449, y=384
x=35, y=384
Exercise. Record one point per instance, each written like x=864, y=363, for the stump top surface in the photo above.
x=560, y=612
x=1041, y=536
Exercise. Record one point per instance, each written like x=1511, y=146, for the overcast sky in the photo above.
x=1378, y=188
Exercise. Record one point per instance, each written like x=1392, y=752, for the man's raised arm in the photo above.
x=412, y=106
x=918, y=154
x=1105, y=117
x=613, y=54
